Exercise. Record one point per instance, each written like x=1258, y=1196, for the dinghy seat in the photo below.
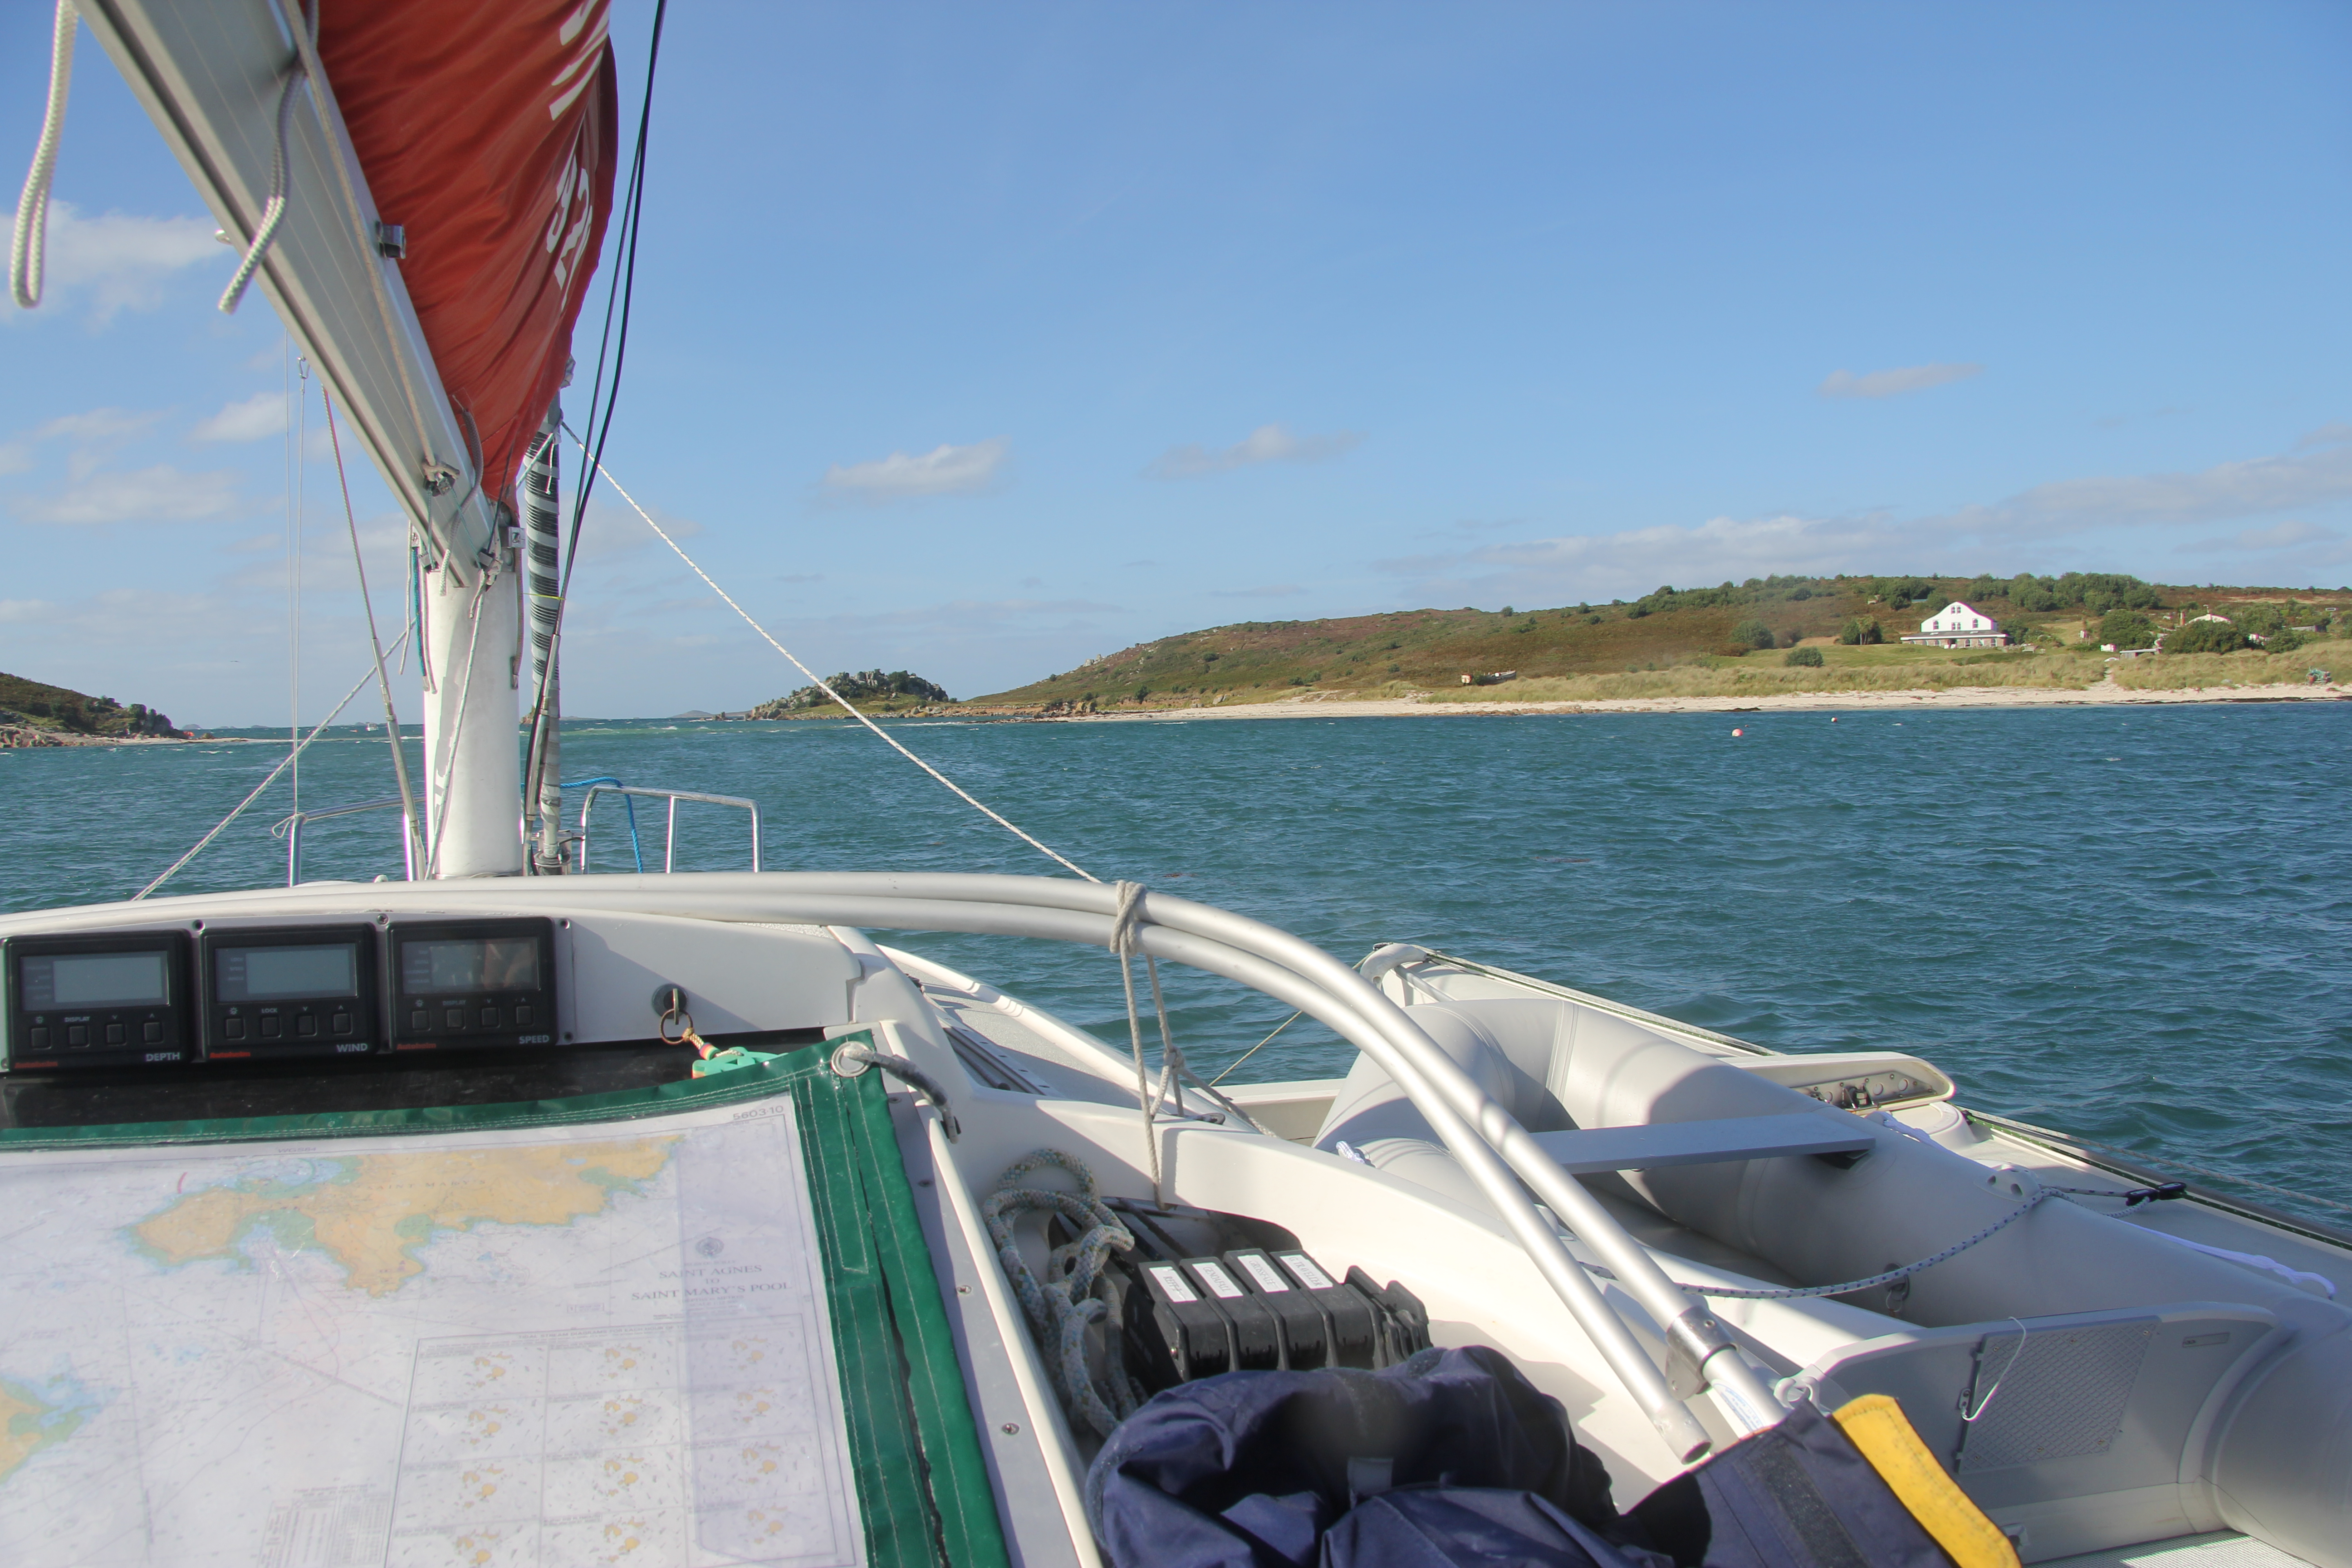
x=1537, y=1058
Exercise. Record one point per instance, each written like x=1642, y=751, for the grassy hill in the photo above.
x=1715, y=637
x=38, y=706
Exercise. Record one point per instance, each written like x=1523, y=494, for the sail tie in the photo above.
x=273, y=212
x=27, y=255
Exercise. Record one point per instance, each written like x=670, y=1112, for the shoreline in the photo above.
x=2100, y=694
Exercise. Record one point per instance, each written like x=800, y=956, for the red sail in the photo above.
x=488, y=132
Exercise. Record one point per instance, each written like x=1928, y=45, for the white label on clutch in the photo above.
x=1216, y=1279
x=1303, y=1269
x=1173, y=1284
x=1264, y=1273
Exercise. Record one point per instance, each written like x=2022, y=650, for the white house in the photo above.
x=1959, y=626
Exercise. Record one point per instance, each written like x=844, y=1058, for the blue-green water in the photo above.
x=2135, y=924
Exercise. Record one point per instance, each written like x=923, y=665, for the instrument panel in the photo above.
x=302, y=990
x=235, y=993
x=100, y=1000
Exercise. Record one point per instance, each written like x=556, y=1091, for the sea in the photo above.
x=2130, y=923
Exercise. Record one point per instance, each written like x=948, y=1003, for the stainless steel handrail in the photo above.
x=1492, y=1146
x=670, y=839
x=291, y=830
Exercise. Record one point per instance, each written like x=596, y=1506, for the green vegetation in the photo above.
x=2253, y=666
x=1675, y=640
x=2127, y=628
x=32, y=704
x=2203, y=636
x=868, y=689
x=1804, y=658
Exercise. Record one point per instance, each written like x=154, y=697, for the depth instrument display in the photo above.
x=470, y=983
x=105, y=999
x=291, y=991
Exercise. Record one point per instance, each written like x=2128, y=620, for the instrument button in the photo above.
x=234, y=1028
x=342, y=1022
x=41, y=1038
x=489, y=1017
x=420, y=1019
x=77, y=1034
x=522, y=1015
x=153, y=1032
x=453, y=1018
x=271, y=1027
x=116, y=1034
x=306, y=1023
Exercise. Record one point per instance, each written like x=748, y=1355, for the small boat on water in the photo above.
x=510, y=1212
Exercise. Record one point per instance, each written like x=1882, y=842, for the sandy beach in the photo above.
x=2103, y=693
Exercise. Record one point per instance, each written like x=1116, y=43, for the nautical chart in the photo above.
x=545, y=1346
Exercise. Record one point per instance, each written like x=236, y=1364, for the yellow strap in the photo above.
x=1877, y=1425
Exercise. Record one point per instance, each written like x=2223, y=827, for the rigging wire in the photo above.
x=298, y=430
x=823, y=685
x=620, y=291
x=238, y=810
x=375, y=642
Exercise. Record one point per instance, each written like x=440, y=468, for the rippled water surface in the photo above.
x=2130, y=923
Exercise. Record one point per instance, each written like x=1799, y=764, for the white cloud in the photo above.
x=1267, y=444
x=256, y=418
x=2319, y=468
x=943, y=471
x=158, y=494
x=92, y=435
x=1895, y=383
x=2316, y=469
x=1629, y=565
x=119, y=261
x=2253, y=541
x=1278, y=591
x=612, y=529
x=14, y=612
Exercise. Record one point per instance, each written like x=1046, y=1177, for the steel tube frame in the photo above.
x=1480, y=1133
x=291, y=831
x=669, y=838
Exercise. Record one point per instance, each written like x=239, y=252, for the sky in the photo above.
x=978, y=341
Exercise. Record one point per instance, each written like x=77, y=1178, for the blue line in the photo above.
x=627, y=800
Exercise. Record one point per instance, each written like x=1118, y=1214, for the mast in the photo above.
x=421, y=192
x=473, y=637
x=541, y=512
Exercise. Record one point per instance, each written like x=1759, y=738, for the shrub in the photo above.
x=2211, y=636
x=1752, y=634
x=1858, y=631
x=1808, y=658
x=2127, y=628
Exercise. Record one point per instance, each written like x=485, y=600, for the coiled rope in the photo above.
x=1060, y=1308
x=28, y=251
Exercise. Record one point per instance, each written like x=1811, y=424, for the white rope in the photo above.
x=222, y=827
x=274, y=210
x=847, y=706
x=28, y=254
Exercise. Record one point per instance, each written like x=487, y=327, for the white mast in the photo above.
x=473, y=641
x=248, y=123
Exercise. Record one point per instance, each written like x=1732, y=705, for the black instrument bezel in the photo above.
x=368, y=1036
x=176, y=1016
x=436, y=1033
